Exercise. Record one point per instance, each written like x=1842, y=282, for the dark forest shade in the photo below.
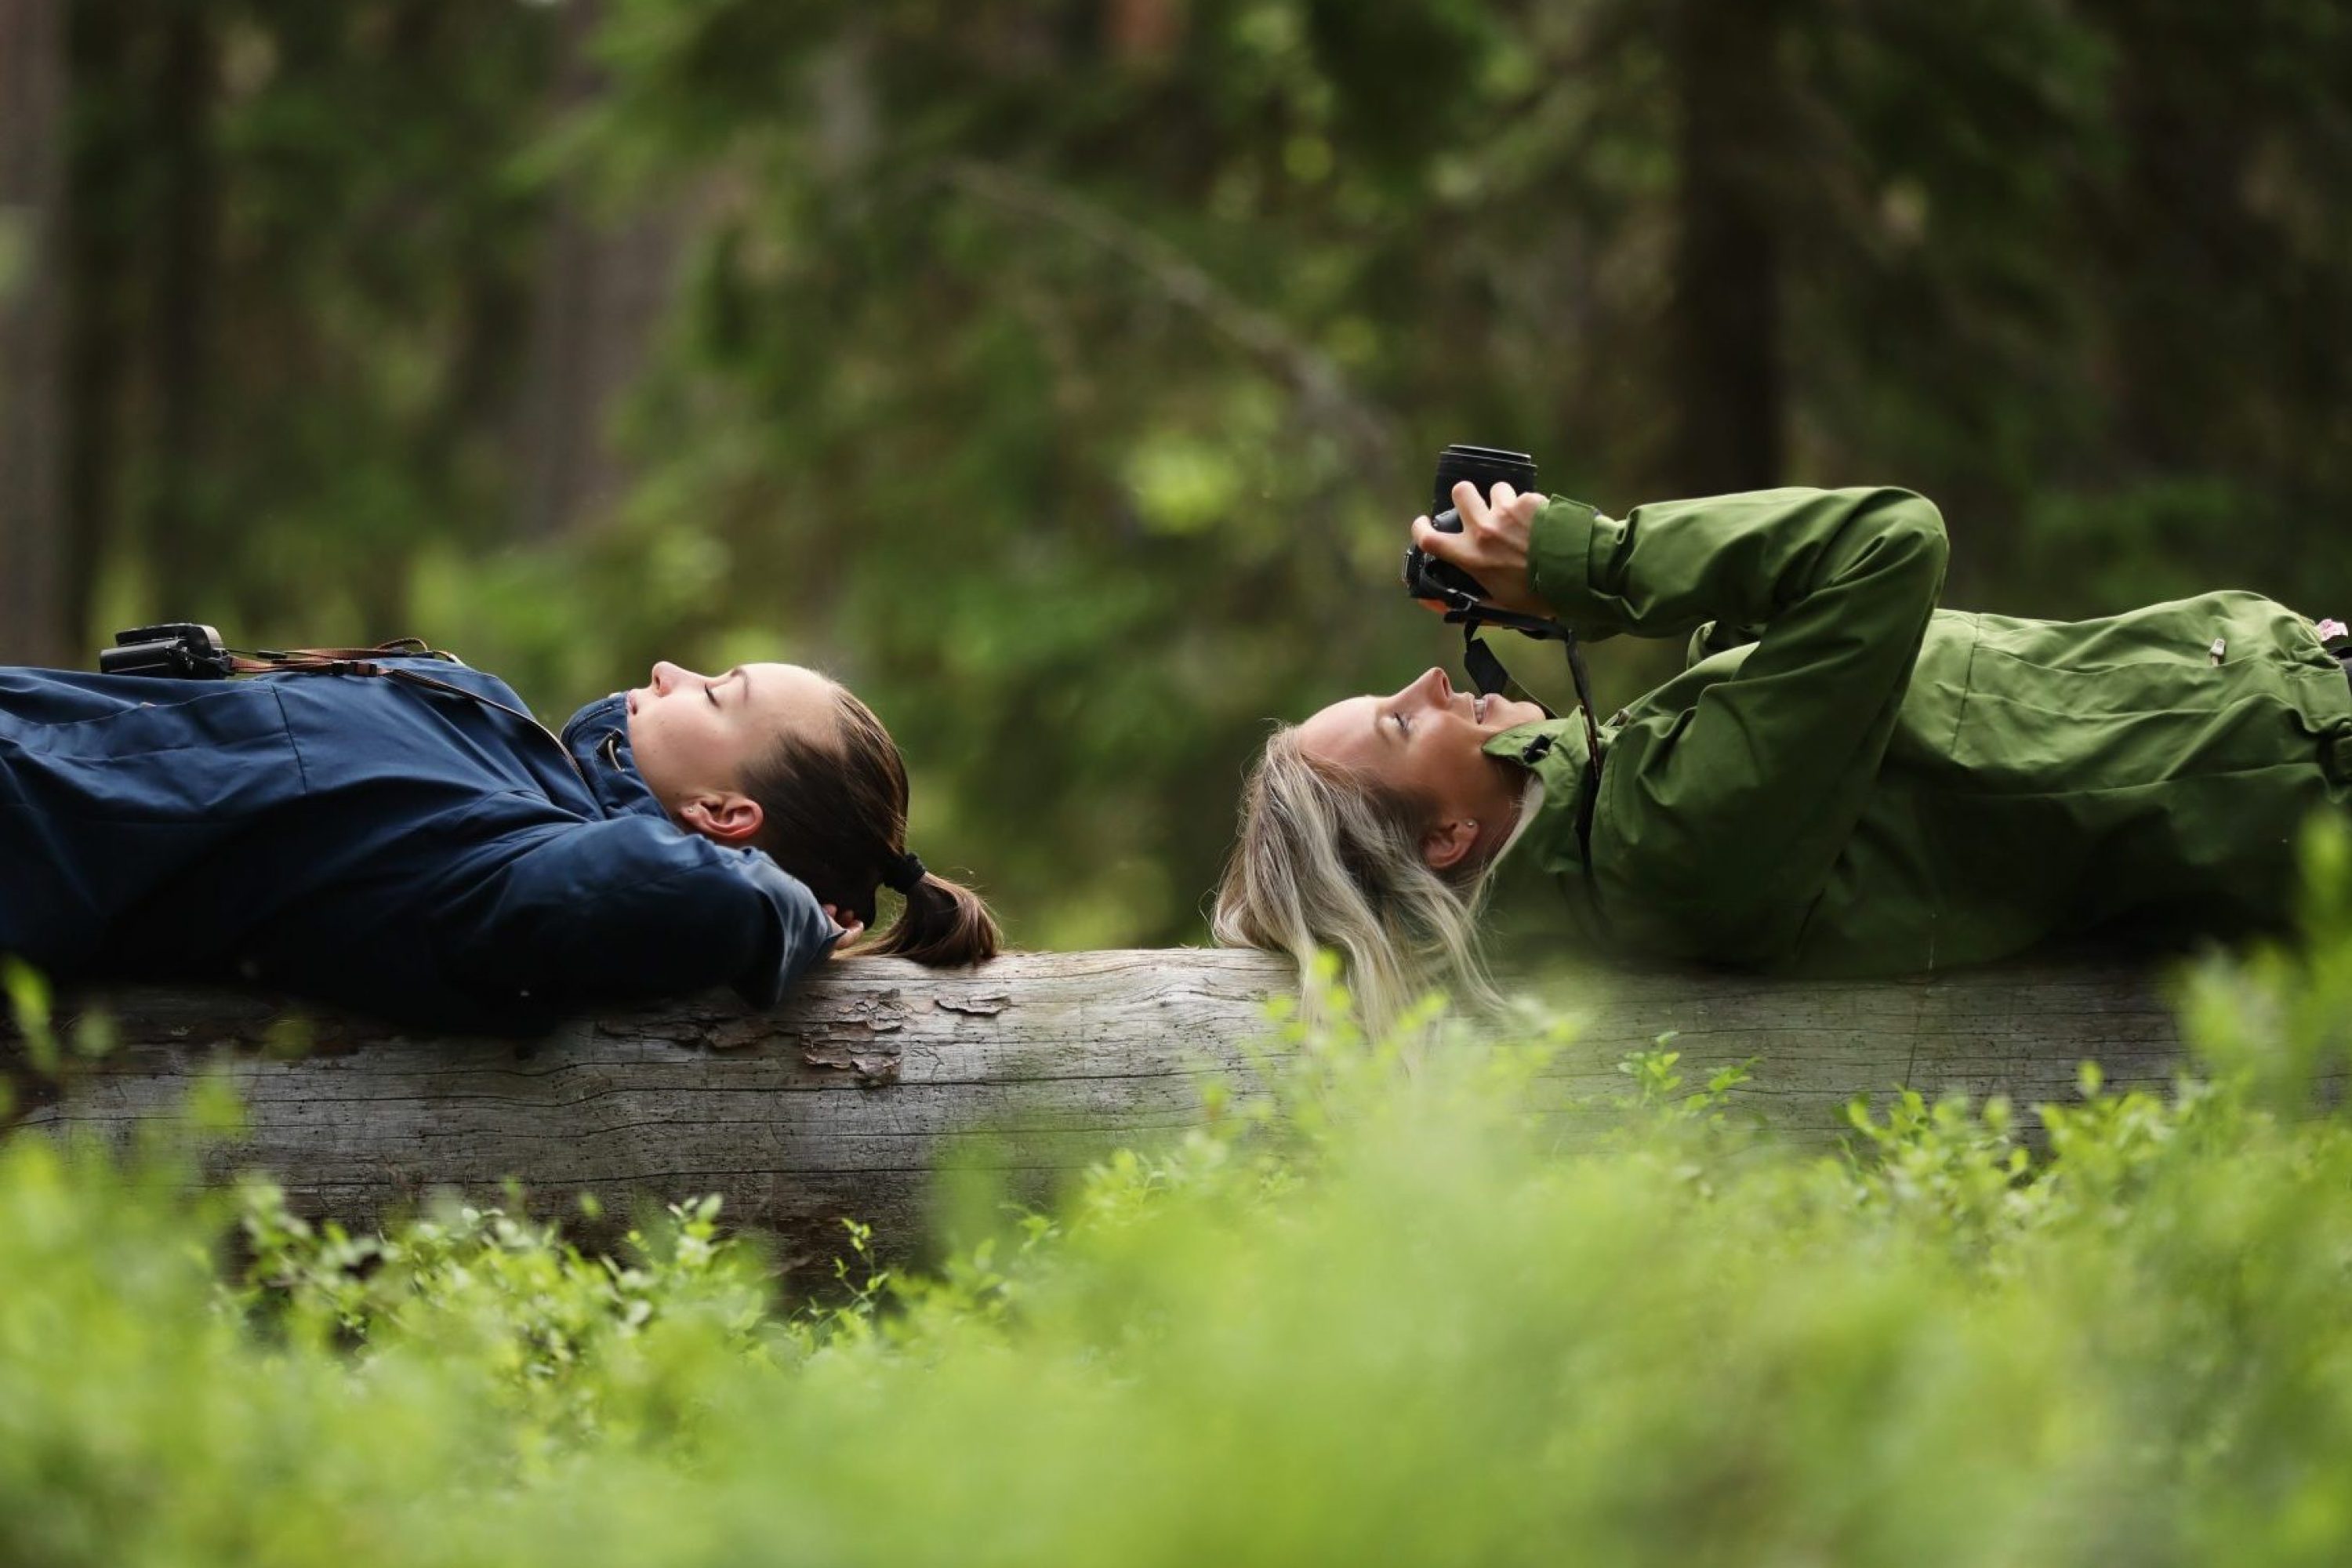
x=33, y=522
x=1725, y=380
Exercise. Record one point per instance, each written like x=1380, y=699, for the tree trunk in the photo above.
x=605, y=282
x=103, y=231
x=1725, y=376
x=182, y=288
x=34, y=617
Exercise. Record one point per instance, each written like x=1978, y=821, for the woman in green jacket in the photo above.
x=1845, y=780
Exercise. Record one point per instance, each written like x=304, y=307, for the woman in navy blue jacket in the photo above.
x=435, y=857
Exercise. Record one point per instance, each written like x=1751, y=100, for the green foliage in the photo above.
x=29, y=1006
x=572, y=1348
x=1378, y=1308
x=28, y=992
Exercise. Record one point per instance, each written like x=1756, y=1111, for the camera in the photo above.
x=1425, y=576
x=179, y=650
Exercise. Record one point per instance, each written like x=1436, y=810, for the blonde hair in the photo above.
x=1329, y=858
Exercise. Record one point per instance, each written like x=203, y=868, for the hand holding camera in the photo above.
x=1491, y=546
x=1474, y=551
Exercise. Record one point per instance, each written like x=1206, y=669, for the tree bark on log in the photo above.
x=846, y=1100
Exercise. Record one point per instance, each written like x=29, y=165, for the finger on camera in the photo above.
x=1503, y=498
x=1448, y=547
x=1470, y=504
x=1433, y=541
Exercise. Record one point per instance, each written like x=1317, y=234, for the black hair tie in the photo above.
x=903, y=875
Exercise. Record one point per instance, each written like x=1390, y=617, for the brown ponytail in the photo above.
x=943, y=922
x=836, y=818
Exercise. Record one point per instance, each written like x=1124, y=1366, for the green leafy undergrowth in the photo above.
x=1378, y=1312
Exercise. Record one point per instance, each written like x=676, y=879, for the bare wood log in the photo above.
x=846, y=1100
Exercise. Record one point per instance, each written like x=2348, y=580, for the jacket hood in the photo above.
x=598, y=737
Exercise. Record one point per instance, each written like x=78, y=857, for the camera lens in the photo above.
x=1485, y=466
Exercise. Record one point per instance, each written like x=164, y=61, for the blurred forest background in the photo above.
x=1062, y=375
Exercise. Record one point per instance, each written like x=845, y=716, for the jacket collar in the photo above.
x=1556, y=751
x=598, y=735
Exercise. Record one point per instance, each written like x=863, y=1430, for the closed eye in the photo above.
x=1403, y=728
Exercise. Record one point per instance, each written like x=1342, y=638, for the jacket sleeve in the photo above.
x=1725, y=820
x=630, y=909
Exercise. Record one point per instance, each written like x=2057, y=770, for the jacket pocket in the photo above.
x=216, y=757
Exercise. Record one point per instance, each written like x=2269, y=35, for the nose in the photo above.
x=667, y=675
x=1431, y=690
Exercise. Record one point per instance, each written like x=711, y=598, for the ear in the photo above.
x=1445, y=844
x=730, y=818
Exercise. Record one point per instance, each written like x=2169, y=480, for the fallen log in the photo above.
x=844, y=1101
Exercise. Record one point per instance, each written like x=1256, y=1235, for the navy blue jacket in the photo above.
x=407, y=853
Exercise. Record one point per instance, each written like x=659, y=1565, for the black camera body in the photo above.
x=1425, y=576
x=178, y=651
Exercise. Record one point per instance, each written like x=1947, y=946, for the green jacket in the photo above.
x=1869, y=784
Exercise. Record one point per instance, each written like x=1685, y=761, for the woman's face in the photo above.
x=697, y=736
x=1426, y=741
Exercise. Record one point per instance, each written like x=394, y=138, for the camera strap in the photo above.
x=363, y=661
x=1485, y=669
